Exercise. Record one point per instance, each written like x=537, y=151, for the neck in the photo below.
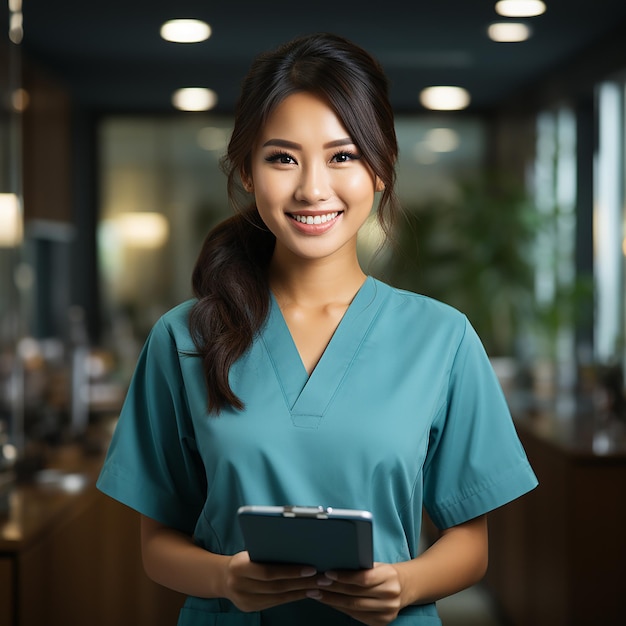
x=315, y=282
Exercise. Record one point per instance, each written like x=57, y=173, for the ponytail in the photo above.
x=231, y=285
x=230, y=279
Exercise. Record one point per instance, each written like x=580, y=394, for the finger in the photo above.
x=268, y=586
x=360, y=578
x=362, y=585
x=248, y=602
x=384, y=591
x=347, y=601
x=269, y=571
x=365, y=609
x=265, y=571
x=248, y=579
x=341, y=602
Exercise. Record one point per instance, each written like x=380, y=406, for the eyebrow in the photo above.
x=283, y=143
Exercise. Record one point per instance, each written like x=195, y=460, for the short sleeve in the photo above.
x=475, y=461
x=153, y=464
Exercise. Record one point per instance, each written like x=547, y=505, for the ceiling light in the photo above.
x=520, y=8
x=508, y=32
x=194, y=99
x=444, y=98
x=185, y=31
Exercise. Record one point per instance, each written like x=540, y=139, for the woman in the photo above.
x=293, y=377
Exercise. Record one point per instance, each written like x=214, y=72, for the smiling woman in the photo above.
x=289, y=353
x=316, y=183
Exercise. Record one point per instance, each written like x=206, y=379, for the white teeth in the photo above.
x=318, y=219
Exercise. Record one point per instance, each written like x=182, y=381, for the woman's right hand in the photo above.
x=173, y=560
x=256, y=586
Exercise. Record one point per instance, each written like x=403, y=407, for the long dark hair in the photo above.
x=230, y=278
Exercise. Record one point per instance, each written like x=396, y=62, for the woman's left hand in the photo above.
x=371, y=596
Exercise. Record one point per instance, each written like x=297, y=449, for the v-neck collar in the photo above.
x=307, y=397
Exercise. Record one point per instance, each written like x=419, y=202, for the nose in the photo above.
x=313, y=184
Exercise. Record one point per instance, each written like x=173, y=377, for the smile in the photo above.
x=314, y=219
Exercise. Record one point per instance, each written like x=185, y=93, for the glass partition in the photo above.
x=609, y=224
x=555, y=279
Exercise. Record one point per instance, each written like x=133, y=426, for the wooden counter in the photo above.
x=558, y=554
x=71, y=557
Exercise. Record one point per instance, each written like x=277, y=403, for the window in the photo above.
x=609, y=224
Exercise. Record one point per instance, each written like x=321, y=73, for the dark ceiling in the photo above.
x=110, y=55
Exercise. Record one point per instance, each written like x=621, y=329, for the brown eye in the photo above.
x=345, y=156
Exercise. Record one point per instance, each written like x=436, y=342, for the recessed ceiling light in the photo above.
x=185, y=31
x=444, y=98
x=520, y=8
x=194, y=99
x=508, y=32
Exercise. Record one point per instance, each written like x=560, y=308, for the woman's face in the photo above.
x=313, y=189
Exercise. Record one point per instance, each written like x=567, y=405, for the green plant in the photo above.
x=473, y=252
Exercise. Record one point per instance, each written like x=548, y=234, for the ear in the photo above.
x=247, y=183
x=380, y=186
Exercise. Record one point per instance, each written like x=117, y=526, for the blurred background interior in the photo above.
x=514, y=191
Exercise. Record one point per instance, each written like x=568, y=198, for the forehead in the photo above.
x=306, y=115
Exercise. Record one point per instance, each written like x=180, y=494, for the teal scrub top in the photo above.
x=403, y=411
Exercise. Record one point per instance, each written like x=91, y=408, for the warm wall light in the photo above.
x=444, y=98
x=435, y=142
x=185, y=31
x=194, y=99
x=520, y=8
x=141, y=229
x=20, y=99
x=508, y=32
x=11, y=228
